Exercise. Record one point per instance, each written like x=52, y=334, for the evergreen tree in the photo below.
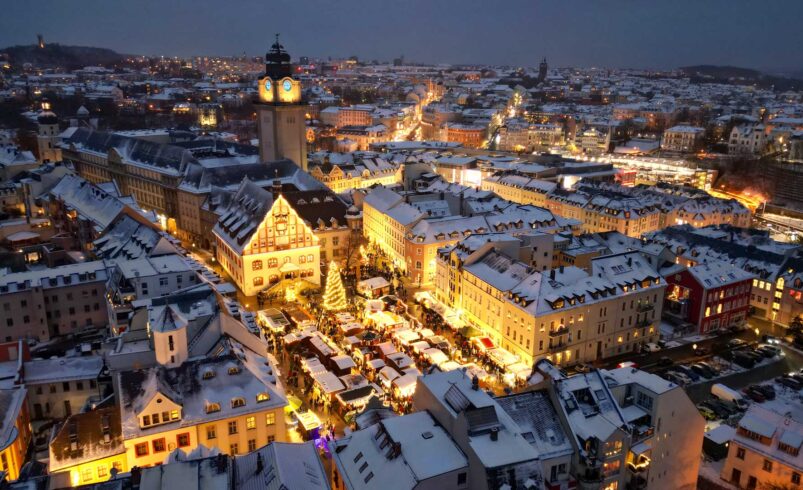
x=334, y=298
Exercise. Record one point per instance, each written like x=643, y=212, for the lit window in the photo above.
x=183, y=440
x=270, y=418
x=158, y=445
x=237, y=402
x=262, y=397
x=251, y=423
x=212, y=407
x=141, y=449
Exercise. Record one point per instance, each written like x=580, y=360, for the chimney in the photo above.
x=552, y=274
x=561, y=269
x=277, y=187
x=629, y=261
x=495, y=434
x=475, y=383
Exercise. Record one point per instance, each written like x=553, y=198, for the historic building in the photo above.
x=280, y=113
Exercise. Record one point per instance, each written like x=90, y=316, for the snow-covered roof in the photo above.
x=397, y=453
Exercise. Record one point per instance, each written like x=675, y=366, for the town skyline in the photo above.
x=585, y=34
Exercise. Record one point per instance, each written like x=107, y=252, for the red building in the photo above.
x=712, y=295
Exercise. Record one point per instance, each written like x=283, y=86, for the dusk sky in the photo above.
x=614, y=33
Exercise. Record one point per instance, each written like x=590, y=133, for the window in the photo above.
x=86, y=474
x=767, y=466
x=155, y=418
x=270, y=418
x=146, y=420
x=212, y=407
x=740, y=452
x=271, y=439
x=233, y=427
x=461, y=478
x=233, y=449
x=256, y=265
x=65, y=386
x=644, y=400
x=183, y=440
x=251, y=423
x=262, y=397
x=158, y=445
x=211, y=432
x=237, y=402
x=141, y=449
x=173, y=415
x=252, y=445
x=163, y=281
x=103, y=471
x=796, y=478
x=258, y=281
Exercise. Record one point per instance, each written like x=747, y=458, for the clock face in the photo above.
x=267, y=85
x=287, y=86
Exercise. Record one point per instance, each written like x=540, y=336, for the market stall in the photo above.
x=404, y=386
x=373, y=287
x=273, y=320
x=502, y=357
x=342, y=364
x=309, y=425
x=435, y=356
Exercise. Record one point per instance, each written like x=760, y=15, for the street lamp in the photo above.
x=694, y=347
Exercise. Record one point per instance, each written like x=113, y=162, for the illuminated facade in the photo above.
x=262, y=240
x=280, y=113
x=219, y=402
x=565, y=315
x=15, y=431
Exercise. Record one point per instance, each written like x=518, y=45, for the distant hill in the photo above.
x=60, y=56
x=735, y=74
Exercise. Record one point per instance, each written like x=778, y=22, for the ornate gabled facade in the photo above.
x=261, y=239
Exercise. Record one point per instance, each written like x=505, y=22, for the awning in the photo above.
x=468, y=331
x=289, y=267
x=640, y=448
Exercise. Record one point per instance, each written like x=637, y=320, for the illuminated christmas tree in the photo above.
x=334, y=298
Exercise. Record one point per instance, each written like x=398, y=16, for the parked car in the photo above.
x=706, y=412
x=711, y=369
x=772, y=348
x=789, y=382
x=754, y=355
x=722, y=392
x=754, y=394
x=674, y=378
x=701, y=351
x=683, y=379
x=743, y=360
x=702, y=371
x=720, y=410
x=767, y=390
x=665, y=361
x=688, y=372
x=627, y=364
x=651, y=347
x=582, y=367
x=733, y=343
x=767, y=353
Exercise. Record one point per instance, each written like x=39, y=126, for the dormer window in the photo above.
x=209, y=374
x=212, y=407
x=262, y=397
x=237, y=402
x=234, y=370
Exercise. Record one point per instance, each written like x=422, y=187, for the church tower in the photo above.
x=280, y=111
x=542, y=69
x=47, y=137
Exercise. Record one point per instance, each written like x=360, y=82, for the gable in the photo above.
x=281, y=227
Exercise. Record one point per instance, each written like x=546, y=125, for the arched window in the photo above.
x=237, y=402
x=212, y=407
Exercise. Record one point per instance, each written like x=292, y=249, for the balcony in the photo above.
x=560, y=346
x=563, y=330
x=642, y=307
x=590, y=478
x=637, y=482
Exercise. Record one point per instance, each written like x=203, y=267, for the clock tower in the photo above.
x=280, y=111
